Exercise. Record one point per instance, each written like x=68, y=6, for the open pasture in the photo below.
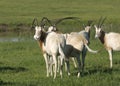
x=23, y=11
x=22, y=64
x=21, y=60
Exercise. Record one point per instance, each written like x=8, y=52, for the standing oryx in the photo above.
x=111, y=40
x=52, y=44
x=86, y=34
x=75, y=44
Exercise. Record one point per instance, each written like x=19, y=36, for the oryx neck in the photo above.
x=102, y=37
x=89, y=34
x=43, y=36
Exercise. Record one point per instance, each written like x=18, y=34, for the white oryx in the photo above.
x=111, y=40
x=52, y=44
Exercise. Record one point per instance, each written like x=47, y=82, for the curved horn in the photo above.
x=89, y=22
x=102, y=21
x=99, y=22
x=61, y=19
x=43, y=21
x=35, y=22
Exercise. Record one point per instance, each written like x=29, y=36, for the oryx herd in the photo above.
x=58, y=48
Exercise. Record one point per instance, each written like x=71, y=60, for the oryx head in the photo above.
x=52, y=28
x=38, y=32
x=88, y=26
x=98, y=29
x=39, y=28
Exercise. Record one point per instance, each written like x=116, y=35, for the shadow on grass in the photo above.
x=108, y=70
x=95, y=70
x=13, y=69
x=100, y=70
x=2, y=83
x=1, y=62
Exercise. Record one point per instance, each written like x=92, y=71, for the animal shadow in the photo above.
x=2, y=83
x=12, y=69
x=8, y=69
x=98, y=70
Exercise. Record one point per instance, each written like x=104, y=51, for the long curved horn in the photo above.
x=89, y=22
x=61, y=19
x=35, y=22
x=99, y=22
x=43, y=21
x=102, y=21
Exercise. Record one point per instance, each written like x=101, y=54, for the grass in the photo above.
x=22, y=63
x=23, y=11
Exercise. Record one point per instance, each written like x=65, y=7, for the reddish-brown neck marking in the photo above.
x=42, y=40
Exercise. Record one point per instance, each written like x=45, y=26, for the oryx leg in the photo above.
x=110, y=57
x=58, y=68
x=61, y=65
x=67, y=66
x=62, y=57
x=83, y=58
x=79, y=65
x=46, y=61
x=55, y=66
x=74, y=62
x=51, y=63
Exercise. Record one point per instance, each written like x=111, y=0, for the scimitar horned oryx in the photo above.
x=85, y=33
x=52, y=44
x=111, y=40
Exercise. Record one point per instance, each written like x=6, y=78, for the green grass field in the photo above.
x=23, y=11
x=22, y=63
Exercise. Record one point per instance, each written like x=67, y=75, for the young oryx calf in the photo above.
x=52, y=44
x=111, y=40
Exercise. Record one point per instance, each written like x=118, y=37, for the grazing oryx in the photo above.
x=75, y=44
x=111, y=40
x=52, y=44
